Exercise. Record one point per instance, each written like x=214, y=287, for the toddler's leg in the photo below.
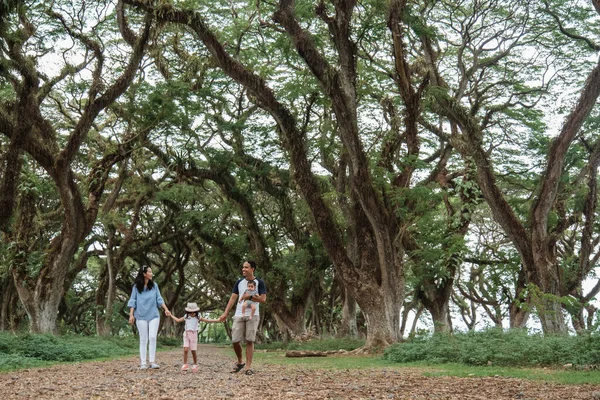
x=252, y=310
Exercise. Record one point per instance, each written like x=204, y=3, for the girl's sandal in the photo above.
x=249, y=372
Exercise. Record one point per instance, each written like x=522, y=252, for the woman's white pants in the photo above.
x=148, y=331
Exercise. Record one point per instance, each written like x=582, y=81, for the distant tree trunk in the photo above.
x=291, y=320
x=348, y=327
x=107, y=285
x=518, y=317
x=518, y=309
x=413, y=327
x=439, y=307
x=8, y=311
x=105, y=296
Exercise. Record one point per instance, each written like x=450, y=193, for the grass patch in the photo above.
x=344, y=362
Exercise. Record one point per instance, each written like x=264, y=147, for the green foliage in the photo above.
x=29, y=350
x=498, y=348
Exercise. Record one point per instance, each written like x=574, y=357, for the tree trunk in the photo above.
x=379, y=331
x=107, y=288
x=440, y=314
x=436, y=299
x=105, y=295
x=41, y=308
x=518, y=309
x=518, y=316
x=291, y=321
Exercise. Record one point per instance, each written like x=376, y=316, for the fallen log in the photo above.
x=305, y=353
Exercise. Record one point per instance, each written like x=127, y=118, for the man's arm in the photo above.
x=259, y=298
x=230, y=303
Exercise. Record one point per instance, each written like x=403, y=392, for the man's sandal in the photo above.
x=249, y=372
x=238, y=368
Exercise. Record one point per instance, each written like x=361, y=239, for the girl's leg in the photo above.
x=142, y=327
x=185, y=354
x=195, y=357
x=152, y=334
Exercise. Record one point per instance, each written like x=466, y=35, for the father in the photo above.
x=244, y=327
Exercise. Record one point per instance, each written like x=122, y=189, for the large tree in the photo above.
x=46, y=116
x=490, y=91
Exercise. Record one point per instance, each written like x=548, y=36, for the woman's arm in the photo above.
x=167, y=312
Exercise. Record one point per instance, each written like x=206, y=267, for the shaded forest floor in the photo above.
x=120, y=379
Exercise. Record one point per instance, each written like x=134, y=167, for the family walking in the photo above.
x=247, y=295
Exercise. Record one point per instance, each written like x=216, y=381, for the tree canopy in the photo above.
x=380, y=161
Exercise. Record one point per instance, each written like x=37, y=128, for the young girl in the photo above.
x=190, y=336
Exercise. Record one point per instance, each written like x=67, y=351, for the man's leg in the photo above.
x=251, y=329
x=249, y=354
x=238, y=330
x=237, y=347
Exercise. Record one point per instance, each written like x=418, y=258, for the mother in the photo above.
x=143, y=310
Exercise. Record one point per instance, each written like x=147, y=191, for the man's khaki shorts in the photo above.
x=244, y=328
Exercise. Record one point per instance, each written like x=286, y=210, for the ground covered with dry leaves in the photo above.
x=120, y=379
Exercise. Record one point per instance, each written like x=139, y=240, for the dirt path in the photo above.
x=122, y=380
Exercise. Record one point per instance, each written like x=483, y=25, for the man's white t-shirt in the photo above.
x=240, y=287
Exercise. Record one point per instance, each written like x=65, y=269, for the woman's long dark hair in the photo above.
x=139, y=279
